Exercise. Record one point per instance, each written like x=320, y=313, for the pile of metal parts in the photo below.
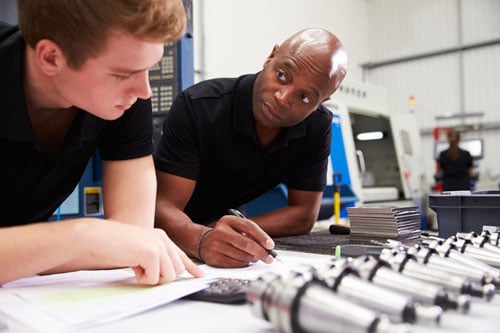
x=402, y=286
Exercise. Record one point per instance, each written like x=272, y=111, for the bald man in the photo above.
x=227, y=141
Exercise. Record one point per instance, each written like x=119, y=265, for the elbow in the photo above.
x=307, y=228
x=305, y=225
x=307, y=220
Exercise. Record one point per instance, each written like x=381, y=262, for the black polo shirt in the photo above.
x=209, y=136
x=456, y=174
x=33, y=183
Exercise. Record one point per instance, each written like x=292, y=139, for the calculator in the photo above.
x=223, y=290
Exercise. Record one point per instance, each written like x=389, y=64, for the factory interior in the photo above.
x=417, y=72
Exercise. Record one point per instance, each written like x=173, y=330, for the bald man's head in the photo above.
x=321, y=48
x=297, y=77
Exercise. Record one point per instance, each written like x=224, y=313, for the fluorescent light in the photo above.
x=370, y=136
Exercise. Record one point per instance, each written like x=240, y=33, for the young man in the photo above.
x=228, y=141
x=73, y=79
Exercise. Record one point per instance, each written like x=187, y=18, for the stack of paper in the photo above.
x=379, y=223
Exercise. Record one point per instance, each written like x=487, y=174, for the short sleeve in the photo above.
x=130, y=136
x=178, y=152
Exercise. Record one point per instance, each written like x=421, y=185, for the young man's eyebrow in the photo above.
x=132, y=71
x=126, y=71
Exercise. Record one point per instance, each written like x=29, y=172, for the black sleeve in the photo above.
x=178, y=152
x=310, y=170
x=131, y=135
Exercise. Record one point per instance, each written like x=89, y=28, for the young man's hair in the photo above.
x=80, y=27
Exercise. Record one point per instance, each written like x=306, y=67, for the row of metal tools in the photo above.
x=402, y=286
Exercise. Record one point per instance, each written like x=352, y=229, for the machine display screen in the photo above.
x=473, y=146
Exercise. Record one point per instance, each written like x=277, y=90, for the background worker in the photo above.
x=455, y=165
x=227, y=141
x=73, y=79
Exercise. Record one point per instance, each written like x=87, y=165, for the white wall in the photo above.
x=233, y=37
x=454, y=83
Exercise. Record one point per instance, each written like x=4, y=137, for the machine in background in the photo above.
x=377, y=153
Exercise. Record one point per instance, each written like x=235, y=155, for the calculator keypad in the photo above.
x=224, y=290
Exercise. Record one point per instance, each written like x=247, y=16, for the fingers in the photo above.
x=190, y=266
x=219, y=249
x=164, y=262
x=177, y=262
x=236, y=242
x=146, y=276
x=250, y=229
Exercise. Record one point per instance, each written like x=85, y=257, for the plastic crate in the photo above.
x=458, y=212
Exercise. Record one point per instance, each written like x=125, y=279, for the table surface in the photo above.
x=196, y=316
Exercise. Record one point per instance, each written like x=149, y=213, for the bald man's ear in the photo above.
x=49, y=57
x=272, y=54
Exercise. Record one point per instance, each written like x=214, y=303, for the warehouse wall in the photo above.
x=233, y=37
x=460, y=82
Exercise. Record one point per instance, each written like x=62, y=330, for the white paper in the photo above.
x=87, y=298
x=71, y=301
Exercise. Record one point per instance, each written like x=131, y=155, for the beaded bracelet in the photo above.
x=200, y=241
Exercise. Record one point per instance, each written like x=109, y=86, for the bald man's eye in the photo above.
x=281, y=76
x=305, y=99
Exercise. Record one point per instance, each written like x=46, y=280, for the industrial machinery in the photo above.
x=383, y=149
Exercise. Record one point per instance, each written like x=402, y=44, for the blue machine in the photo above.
x=86, y=199
x=339, y=165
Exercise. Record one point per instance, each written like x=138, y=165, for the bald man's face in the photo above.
x=292, y=85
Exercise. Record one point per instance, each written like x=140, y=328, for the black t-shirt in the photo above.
x=209, y=136
x=455, y=172
x=33, y=183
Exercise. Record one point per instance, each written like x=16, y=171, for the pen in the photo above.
x=236, y=212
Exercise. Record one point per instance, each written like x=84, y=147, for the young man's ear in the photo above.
x=49, y=57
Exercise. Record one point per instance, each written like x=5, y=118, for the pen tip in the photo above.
x=273, y=253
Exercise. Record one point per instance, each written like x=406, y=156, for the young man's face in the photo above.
x=109, y=84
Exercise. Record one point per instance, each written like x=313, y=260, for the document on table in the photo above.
x=86, y=298
x=82, y=299
x=288, y=261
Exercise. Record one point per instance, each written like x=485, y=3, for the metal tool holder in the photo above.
x=379, y=273
x=297, y=302
x=408, y=265
x=342, y=278
x=403, y=285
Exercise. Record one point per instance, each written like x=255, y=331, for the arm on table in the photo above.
x=234, y=242
x=295, y=219
x=125, y=238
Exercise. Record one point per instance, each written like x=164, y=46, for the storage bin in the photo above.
x=465, y=212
